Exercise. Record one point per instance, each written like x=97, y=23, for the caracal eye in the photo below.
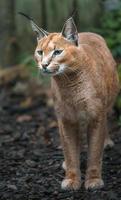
x=57, y=52
x=40, y=52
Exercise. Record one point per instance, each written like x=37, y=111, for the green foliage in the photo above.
x=110, y=29
x=29, y=62
x=118, y=100
x=119, y=72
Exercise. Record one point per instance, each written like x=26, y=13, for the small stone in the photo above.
x=13, y=187
x=30, y=163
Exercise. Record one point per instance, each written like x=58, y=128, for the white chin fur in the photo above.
x=62, y=68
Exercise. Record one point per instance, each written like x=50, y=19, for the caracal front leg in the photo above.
x=70, y=141
x=96, y=138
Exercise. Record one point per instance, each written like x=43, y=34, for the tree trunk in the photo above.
x=75, y=12
x=8, y=45
x=43, y=14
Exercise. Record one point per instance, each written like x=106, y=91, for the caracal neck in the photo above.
x=67, y=80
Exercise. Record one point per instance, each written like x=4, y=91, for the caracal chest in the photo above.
x=70, y=103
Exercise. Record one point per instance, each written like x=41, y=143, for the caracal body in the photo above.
x=84, y=86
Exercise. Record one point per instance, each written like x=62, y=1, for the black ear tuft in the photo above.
x=69, y=31
x=25, y=15
x=39, y=31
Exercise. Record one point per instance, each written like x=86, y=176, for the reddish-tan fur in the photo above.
x=83, y=96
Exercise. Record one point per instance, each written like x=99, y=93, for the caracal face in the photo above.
x=55, y=54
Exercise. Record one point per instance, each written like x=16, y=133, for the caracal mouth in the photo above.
x=52, y=73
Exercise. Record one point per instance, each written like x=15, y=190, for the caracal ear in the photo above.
x=39, y=31
x=70, y=32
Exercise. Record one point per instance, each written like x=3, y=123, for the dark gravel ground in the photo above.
x=30, y=167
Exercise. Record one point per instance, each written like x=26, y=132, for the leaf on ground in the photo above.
x=28, y=102
x=23, y=118
x=52, y=124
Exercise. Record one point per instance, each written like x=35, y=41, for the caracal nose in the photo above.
x=44, y=65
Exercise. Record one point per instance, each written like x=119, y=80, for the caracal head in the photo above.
x=56, y=53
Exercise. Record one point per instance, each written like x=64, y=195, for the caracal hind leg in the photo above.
x=96, y=137
x=70, y=141
x=108, y=141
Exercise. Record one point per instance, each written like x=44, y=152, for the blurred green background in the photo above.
x=17, y=41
